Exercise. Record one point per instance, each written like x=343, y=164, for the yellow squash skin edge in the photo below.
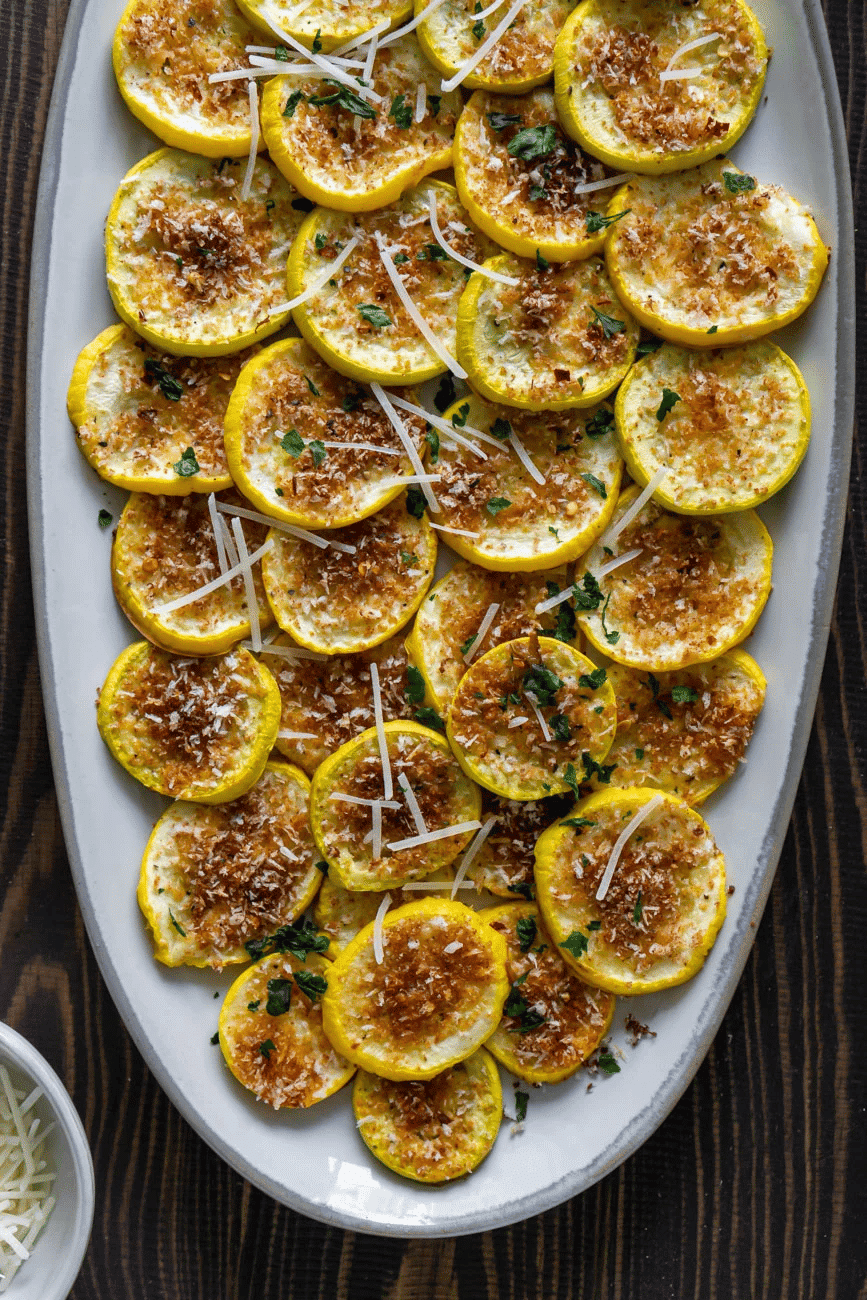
x=624, y=160
x=468, y=353
x=696, y=338
x=252, y=11
x=230, y=789
x=125, y=312
x=332, y=1018
x=213, y=145
x=161, y=952
x=642, y=478
x=287, y=163
x=232, y=437
x=546, y=846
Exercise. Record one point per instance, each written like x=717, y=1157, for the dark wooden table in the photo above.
x=754, y=1187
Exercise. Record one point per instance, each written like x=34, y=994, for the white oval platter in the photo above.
x=315, y=1162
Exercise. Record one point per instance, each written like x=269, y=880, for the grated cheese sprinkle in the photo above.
x=443, y=425
x=413, y=312
x=302, y=533
x=377, y=928
x=412, y=803
x=444, y=833
x=249, y=588
x=253, y=96
x=611, y=535
x=679, y=74
x=328, y=274
x=459, y=257
x=385, y=761
x=217, y=525
x=408, y=444
x=484, y=627
x=472, y=851
x=616, y=562
x=224, y=579
x=524, y=457
x=486, y=46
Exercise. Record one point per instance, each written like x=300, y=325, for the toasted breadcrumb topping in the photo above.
x=573, y=1015
x=189, y=720
x=238, y=871
x=431, y=1126
x=506, y=861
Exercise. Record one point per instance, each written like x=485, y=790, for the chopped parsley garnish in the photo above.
x=541, y=683
x=526, y=929
x=638, y=909
x=351, y=401
x=459, y=418
x=414, y=693
x=313, y=389
x=564, y=629
x=432, y=439
x=292, y=443
x=400, y=259
x=478, y=28
x=639, y=755
x=281, y=54
x=170, y=387
x=316, y=47
x=104, y=518
x=570, y=776
x=596, y=221
x=469, y=641
x=409, y=558
x=267, y=1048
x=434, y=102
x=429, y=717
x=299, y=938
x=319, y=243
x=609, y=325
x=600, y=423
x=596, y=483
x=669, y=400
x=519, y=1009
x=653, y=683
x=601, y=770
x=342, y=97
x=279, y=997
x=415, y=502
x=187, y=466
x=400, y=112
x=318, y=451
x=578, y=823
x=496, y=504
x=500, y=121
x=560, y=728
x=501, y=429
x=737, y=184
x=215, y=1038
x=537, y=192
x=684, y=694
x=713, y=329
x=254, y=1006
x=521, y=1099
x=270, y=205
x=607, y=1064
x=373, y=315
x=542, y=263
x=312, y=986
x=524, y=889
x=322, y=866
x=611, y=637
x=180, y=929
x=432, y=253
x=302, y=205
x=646, y=346
x=576, y=944
x=533, y=142
x=554, y=533
x=445, y=393
x=592, y=681
x=588, y=594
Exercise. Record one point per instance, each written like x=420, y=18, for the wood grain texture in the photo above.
x=754, y=1187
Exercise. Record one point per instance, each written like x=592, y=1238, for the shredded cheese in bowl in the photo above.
x=26, y=1181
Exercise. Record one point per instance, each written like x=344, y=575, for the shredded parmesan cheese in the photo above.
x=217, y=525
x=524, y=457
x=302, y=533
x=518, y=722
x=420, y=102
x=625, y=558
x=326, y=65
x=454, y=946
x=620, y=843
x=486, y=46
x=377, y=928
x=458, y=532
x=363, y=803
x=589, y=187
x=484, y=627
x=459, y=257
x=413, y=312
x=249, y=587
x=236, y=570
x=472, y=851
x=412, y=803
x=546, y=730
x=679, y=74
x=409, y=446
x=387, y=784
x=552, y=601
x=609, y=537
x=376, y=832
x=444, y=427
x=444, y=833
x=25, y=1182
x=291, y=652
x=419, y=886
x=328, y=274
x=253, y=95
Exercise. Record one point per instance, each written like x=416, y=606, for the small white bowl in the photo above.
x=59, y=1248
